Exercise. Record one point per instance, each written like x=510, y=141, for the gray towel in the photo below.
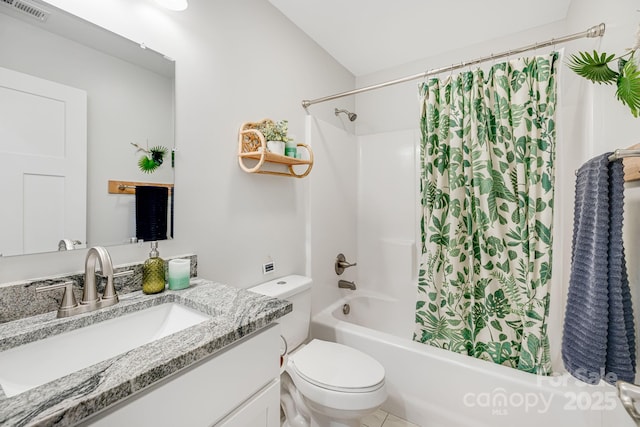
x=599, y=336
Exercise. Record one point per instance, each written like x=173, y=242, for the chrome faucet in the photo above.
x=345, y=284
x=90, y=300
x=90, y=292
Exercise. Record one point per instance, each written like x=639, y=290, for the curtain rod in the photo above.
x=595, y=31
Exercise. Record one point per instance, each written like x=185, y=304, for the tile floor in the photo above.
x=383, y=419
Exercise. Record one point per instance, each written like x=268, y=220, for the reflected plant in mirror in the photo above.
x=72, y=97
x=153, y=158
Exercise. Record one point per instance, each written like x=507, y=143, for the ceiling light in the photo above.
x=173, y=4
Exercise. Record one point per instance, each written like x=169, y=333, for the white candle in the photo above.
x=179, y=273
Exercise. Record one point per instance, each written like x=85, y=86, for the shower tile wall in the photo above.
x=388, y=228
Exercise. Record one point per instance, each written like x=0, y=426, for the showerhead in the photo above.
x=352, y=116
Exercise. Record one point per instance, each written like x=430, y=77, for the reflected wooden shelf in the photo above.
x=129, y=187
x=252, y=145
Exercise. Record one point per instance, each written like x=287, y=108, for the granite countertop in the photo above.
x=235, y=313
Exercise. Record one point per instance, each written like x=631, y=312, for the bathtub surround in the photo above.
x=19, y=299
x=599, y=334
x=235, y=314
x=488, y=154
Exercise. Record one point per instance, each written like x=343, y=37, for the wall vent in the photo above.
x=27, y=8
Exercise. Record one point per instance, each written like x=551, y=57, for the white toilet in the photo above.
x=323, y=384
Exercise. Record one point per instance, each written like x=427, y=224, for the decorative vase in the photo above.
x=276, y=147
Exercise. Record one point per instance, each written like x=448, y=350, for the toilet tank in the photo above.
x=297, y=290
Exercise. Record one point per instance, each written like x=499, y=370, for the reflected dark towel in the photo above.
x=151, y=213
x=599, y=336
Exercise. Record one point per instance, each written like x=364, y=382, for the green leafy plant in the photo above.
x=275, y=131
x=627, y=77
x=153, y=158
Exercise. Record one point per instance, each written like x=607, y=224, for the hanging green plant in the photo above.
x=627, y=78
x=153, y=158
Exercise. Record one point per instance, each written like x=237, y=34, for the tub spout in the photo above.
x=345, y=284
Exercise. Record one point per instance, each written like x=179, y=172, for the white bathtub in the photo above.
x=432, y=387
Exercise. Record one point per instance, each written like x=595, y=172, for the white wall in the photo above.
x=590, y=121
x=236, y=61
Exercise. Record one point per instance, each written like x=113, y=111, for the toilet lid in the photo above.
x=337, y=367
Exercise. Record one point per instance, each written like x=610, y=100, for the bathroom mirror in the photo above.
x=74, y=99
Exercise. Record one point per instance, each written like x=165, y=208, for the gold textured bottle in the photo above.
x=153, y=272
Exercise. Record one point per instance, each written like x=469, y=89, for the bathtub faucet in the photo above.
x=345, y=284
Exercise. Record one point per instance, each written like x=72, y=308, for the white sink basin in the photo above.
x=28, y=366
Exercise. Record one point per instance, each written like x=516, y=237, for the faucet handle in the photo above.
x=110, y=289
x=342, y=264
x=69, y=301
x=123, y=273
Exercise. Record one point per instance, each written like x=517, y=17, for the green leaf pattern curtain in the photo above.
x=487, y=152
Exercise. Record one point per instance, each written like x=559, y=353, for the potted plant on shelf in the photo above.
x=276, y=135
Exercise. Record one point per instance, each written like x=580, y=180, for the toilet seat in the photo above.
x=336, y=376
x=337, y=367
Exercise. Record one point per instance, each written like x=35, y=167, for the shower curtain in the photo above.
x=487, y=152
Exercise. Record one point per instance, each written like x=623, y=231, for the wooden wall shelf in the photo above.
x=253, y=145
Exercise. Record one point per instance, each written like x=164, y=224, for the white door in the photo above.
x=43, y=163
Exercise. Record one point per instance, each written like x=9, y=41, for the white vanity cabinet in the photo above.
x=238, y=386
